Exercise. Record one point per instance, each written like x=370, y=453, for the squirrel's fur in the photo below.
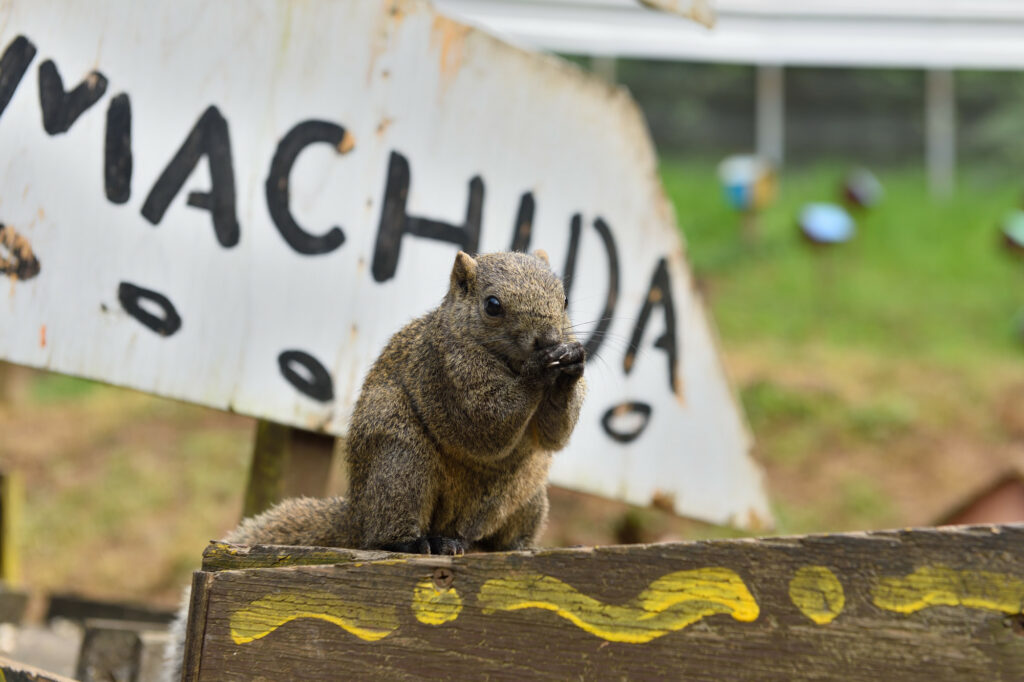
x=451, y=439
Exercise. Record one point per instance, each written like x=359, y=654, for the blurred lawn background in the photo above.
x=883, y=380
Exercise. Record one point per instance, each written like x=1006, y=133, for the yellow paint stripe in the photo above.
x=262, y=616
x=670, y=603
x=943, y=586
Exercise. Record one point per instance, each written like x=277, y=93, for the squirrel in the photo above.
x=451, y=438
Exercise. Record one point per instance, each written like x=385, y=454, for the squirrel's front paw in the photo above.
x=565, y=358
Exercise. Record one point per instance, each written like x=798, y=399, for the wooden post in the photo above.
x=940, y=131
x=309, y=464
x=921, y=604
x=286, y=462
x=771, y=114
x=10, y=519
x=120, y=650
x=266, y=474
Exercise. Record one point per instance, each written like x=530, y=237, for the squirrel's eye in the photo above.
x=492, y=306
x=566, y=306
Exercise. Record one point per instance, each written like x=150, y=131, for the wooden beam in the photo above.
x=921, y=604
x=940, y=131
x=80, y=609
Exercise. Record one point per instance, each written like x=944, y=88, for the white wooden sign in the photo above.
x=236, y=203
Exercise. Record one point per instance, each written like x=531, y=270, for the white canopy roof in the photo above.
x=963, y=34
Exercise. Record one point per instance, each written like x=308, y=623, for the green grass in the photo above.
x=872, y=373
x=921, y=277
x=56, y=388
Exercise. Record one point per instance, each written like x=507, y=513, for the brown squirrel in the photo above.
x=451, y=438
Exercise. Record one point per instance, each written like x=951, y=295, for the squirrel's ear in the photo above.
x=543, y=255
x=464, y=270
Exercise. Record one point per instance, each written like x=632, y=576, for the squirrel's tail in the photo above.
x=311, y=521
x=174, y=654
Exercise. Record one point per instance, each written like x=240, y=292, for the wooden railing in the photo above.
x=920, y=604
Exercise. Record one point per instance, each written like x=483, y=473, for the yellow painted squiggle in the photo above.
x=944, y=586
x=670, y=603
x=262, y=616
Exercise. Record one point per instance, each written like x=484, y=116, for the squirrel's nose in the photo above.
x=546, y=338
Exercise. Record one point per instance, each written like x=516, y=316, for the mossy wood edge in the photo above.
x=916, y=604
x=223, y=556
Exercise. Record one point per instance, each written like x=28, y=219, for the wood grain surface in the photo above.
x=919, y=604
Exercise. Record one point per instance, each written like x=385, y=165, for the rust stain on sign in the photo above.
x=450, y=36
x=16, y=258
x=679, y=389
x=347, y=144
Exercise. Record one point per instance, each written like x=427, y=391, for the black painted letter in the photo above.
x=596, y=337
x=395, y=222
x=524, y=223
x=209, y=137
x=623, y=410
x=316, y=383
x=660, y=294
x=117, y=158
x=13, y=65
x=131, y=298
x=61, y=109
x=297, y=139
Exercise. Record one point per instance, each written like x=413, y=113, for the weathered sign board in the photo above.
x=922, y=604
x=235, y=203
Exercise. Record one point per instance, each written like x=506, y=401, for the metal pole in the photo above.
x=771, y=113
x=940, y=131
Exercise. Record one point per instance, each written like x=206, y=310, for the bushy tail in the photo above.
x=174, y=654
x=308, y=521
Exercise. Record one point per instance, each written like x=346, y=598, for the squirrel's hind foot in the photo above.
x=429, y=545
